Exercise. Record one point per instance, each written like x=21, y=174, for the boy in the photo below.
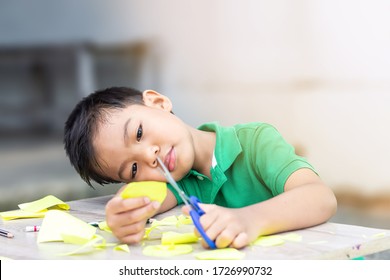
x=248, y=178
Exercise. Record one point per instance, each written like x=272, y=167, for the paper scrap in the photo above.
x=35, y=209
x=152, y=189
x=61, y=226
x=122, y=247
x=184, y=220
x=275, y=240
x=47, y=202
x=379, y=235
x=266, y=241
x=292, y=237
x=221, y=254
x=87, y=247
x=167, y=221
x=103, y=226
x=171, y=237
x=21, y=214
x=166, y=250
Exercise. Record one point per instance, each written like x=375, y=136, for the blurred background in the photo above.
x=317, y=70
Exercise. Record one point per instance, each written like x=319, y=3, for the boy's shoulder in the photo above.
x=253, y=125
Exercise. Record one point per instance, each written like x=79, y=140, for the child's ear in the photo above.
x=154, y=99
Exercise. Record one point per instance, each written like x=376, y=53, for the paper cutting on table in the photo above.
x=122, y=247
x=35, y=209
x=266, y=241
x=166, y=250
x=21, y=214
x=48, y=202
x=221, y=254
x=275, y=240
x=171, y=237
x=60, y=226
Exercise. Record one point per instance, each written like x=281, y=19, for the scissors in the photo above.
x=192, y=202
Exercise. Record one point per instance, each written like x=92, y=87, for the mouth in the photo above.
x=170, y=160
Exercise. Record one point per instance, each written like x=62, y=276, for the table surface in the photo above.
x=325, y=241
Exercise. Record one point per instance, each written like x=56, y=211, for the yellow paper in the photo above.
x=20, y=214
x=184, y=220
x=58, y=224
x=35, y=209
x=103, y=226
x=47, y=202
x=87, y=247
x=167, y=221
x=122, y=247
x=152, y=189
x=266, y=241
x=292, y=237
x=221, y=254
x=166, y=250
x=171, y=237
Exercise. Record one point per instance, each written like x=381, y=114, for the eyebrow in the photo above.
x=125, y=140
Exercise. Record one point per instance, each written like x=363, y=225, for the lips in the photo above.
x=170, y=160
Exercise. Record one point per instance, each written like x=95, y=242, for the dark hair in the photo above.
x=81, y=126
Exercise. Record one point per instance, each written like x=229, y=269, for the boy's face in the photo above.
x=128, y=142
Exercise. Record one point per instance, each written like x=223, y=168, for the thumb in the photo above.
x=186, y=210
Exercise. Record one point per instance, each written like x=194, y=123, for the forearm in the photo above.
x=301, y=207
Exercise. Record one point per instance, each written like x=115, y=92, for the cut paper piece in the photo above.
x=103, y=226
x=171, y=237
x=184, y=220
x=292, y=237
x=20, y=214
x=148, y=231
x=266, y=241
x=58, y=224
x=47, y=202
x=35, y=209
x=104, y=245
x=379, y=235
x=122, y=247
x=166, y=250
x=221, y=254
x=152, y=189
x=87, y=247
x=167, y=221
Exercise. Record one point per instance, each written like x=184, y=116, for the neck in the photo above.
x=204, y=142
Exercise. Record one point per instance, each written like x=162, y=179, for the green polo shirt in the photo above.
x=251, y=163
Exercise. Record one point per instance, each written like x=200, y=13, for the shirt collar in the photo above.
x=227, y=146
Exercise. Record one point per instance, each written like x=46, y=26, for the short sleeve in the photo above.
x=275, y=159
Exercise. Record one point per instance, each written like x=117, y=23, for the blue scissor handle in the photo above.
x=195, y=214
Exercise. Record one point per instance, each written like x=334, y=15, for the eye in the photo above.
x=134, y=168
x=139, y=133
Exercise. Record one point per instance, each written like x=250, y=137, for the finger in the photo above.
x=225, y=238
x=118, y=204
x=118, y=220
x=141, y=213
x=131, y=235
x=186, y=210
x=241, y=240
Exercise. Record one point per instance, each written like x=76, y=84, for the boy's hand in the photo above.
x=228, y=227
x=127, y=217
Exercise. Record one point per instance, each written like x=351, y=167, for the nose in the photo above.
x=152, y=155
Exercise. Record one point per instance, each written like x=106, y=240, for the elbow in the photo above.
x=329, y=205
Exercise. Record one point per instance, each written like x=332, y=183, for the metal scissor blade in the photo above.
x=170, y=179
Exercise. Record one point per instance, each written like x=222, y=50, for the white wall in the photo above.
x=318, y=70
